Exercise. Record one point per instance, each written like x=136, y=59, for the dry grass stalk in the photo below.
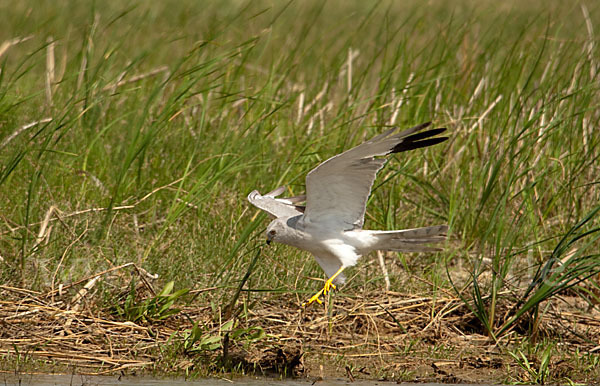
x=88, y=48
x=386, y=277
x=21, y=129
x=300, y=108
x=62, y=258
x=397, y=104
x=141, y=271
x=485, y=114
x=121, y=82
x=44, y=230
x=591, y=40
x=50, y=64
x=349, y=70
x=317, y=98
x=321, y=116
x=76, y=301
x=5, y=46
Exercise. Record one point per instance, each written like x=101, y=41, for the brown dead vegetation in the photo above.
x=392, y=336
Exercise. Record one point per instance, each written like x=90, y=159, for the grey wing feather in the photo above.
x=277, y=192
x=276, y=207
x=338, y=189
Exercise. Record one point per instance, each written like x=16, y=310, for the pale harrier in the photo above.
x=330, y=225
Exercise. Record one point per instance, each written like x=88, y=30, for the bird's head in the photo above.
x=276, y=231
x=285, y=230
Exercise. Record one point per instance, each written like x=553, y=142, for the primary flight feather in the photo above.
x=330, y=225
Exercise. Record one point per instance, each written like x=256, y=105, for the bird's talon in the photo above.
x=314, y=298
x=328, y=286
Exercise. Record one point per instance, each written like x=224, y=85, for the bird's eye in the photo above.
x=271, y=233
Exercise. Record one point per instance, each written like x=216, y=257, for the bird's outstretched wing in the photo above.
x=277, y=207
x=337, y=190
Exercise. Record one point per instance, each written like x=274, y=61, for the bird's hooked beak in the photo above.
x=269, y=239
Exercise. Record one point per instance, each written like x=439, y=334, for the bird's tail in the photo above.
x=410, y=240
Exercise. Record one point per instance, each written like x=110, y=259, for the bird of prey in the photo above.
x=330, y=224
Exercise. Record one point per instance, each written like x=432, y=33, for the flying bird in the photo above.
x=330, y=224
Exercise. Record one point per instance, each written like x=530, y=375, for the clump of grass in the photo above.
x=572, y=262
x=155, y=308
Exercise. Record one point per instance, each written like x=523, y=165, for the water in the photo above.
x=85, y=380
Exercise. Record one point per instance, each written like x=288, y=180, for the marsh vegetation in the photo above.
x=130, y=135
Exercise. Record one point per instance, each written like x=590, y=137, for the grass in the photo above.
x=132, y=134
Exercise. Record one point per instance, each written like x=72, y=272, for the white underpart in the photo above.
x=333, y=249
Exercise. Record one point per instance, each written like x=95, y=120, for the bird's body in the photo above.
x=330, y=226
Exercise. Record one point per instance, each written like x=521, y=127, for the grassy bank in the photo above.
x=131, y=135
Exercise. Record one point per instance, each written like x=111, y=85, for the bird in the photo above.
x=330, y=224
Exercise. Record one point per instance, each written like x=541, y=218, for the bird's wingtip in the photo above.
x=276, y=192
x=253, y=195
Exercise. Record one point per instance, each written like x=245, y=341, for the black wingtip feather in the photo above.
x=419, y=140
x=423, y=135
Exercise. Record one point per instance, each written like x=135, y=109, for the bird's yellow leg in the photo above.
x=326, y=288
x=329, y=283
